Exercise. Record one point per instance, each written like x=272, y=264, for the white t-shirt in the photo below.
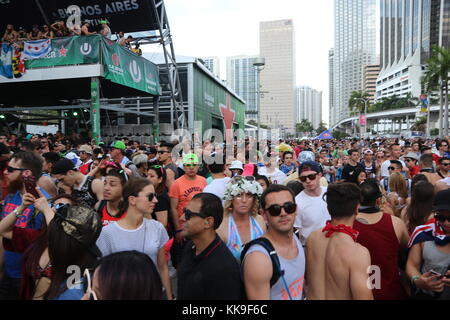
x=217, y=187
x=385, y=165
x=312, y=213
x=276, y=177
x=148, y=238
x=446, y=180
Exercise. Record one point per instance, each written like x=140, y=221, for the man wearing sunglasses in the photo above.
x=180, y=193
x=411, y=160
x=206, y=254
x=278, y=210
x=443, y=168
x=21, y=165
x=165, y=158
x=312, y=210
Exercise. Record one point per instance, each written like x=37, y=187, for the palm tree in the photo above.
x=356, y=103
x=437, y=72
x=304, y=126
x=420, y=125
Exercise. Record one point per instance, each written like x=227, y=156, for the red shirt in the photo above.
x=413, y=171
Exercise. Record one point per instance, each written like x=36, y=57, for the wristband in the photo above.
x=414, y=278
x=179, y=230
x=16, y=213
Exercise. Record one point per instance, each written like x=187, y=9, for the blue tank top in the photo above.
x=234, y=240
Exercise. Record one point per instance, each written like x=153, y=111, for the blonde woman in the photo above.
x=398, y=187
x=241, y=222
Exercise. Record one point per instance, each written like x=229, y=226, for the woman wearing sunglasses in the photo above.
x=126, y=275
x=429, y=256
x=135, y=232
x=36, y=266
x=241, y=222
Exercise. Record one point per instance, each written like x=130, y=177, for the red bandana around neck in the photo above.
x=330, y=229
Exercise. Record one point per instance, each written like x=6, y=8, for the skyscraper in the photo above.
x=242, y=78
x=308, y=105
x=277, y=46
x=369, y=79
x=213, y=65
x=331, y=84
x=354, y=46
x=408, y=30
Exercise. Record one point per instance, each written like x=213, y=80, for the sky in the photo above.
x=224, y=28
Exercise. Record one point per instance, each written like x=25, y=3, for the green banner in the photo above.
x=128, y=69
x=69, y=51
x=95, y=109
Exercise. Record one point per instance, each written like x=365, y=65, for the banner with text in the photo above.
x=128, y=69
x=69, y=51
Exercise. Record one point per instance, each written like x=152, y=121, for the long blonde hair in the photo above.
x=228, y=207
x=398, y=184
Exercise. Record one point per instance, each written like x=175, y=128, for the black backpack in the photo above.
x=266, y=244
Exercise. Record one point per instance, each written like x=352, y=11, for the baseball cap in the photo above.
x=119, y=145
x=85, y=148
x=236, y=164
x=62, y=166
x=412, y=155
x=190, y=158
x=309, y=166
x=368, y=151
x=442, y=201
x=81, y=223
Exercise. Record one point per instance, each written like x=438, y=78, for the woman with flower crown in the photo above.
x=241, y=222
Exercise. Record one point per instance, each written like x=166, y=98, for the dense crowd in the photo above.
x=60, y=29
x=298, y=219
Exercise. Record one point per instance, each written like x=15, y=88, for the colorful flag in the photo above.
x=6, y=61
x=36, y=49
x=431, y=231
x=18, y=63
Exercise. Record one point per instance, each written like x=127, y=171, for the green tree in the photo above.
x=420, y=125
x=252, y=122
x=356, y=102
x=322, y=127
x=438, y=69
x=304, y=126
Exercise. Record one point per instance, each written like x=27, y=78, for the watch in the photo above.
x=414, y=278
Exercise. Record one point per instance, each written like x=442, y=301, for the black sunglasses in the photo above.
x=236, y=179
x=310, y=177
x=275, y=209
x=441, y=218
x=188, y=214
x=162, y=152
x=11, y=169
x=151, y=196
x=445, y=164
x=392, y=168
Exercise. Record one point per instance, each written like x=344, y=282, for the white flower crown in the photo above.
x=234, y=189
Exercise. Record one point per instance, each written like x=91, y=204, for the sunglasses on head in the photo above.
x=11, y=169
x=275, y=209
x=236, y=179
x=441, y=218
x=157, y=166
x=188, y=214
x=310, y=177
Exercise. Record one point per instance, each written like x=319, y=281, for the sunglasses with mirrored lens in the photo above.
x=275, y=209
x=441, y=218
x=11, y=169
x=188, y=214
x=310, y=177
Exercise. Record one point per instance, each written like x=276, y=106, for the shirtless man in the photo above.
x=337, y=266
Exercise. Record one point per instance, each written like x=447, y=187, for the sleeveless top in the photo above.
x=84, y=194
x=234, y=240
x=383, y=245
x=434, y=259
x=106, y=217
x=294, y=274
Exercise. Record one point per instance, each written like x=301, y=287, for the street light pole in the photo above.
x=259, y=64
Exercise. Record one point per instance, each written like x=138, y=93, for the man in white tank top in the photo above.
x=279, y=210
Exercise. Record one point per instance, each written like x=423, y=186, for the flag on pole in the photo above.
x=6, y=61
x=36, y=49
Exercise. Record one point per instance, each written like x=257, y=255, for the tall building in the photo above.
x=242, y=78
x=408, y=30
x=331, y=84
x=308, y=105
x=354, y=46
x=277, y=46
x=369, y=79
x=213, y=65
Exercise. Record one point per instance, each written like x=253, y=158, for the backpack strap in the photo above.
x=266, y=244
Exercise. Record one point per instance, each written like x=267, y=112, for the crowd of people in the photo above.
x=60, y=29
x=301, y=219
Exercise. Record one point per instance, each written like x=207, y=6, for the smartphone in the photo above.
x=436, y=273
x=30, y=183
